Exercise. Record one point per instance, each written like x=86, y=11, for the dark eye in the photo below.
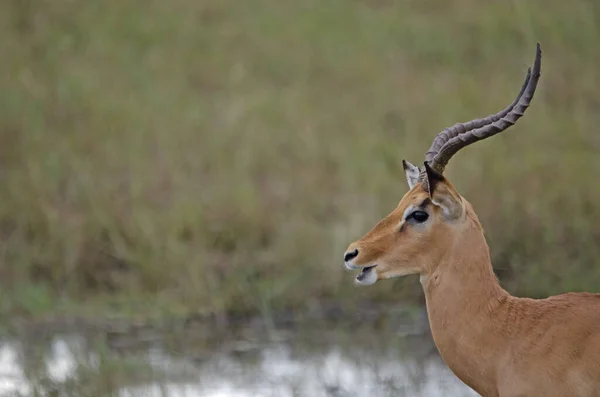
x=419, y=216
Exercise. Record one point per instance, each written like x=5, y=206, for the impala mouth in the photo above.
x=367, y=275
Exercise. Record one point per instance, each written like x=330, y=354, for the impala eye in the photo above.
x=418, y=216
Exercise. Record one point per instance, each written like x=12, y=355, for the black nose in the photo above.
x=350, y=255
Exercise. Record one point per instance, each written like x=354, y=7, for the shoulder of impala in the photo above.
x=498, y=344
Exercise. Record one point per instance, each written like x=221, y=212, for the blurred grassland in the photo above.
x=220, y=155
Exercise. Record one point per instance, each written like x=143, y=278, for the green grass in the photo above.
x=221, y=155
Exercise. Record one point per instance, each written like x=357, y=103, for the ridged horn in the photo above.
x=454, y=138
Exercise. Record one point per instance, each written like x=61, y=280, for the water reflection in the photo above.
x=315, y=363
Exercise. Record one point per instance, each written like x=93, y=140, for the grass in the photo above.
x=220, y=155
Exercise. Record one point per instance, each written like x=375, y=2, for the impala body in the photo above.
x=497, y=344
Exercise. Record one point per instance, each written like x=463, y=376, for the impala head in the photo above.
x=432, y=215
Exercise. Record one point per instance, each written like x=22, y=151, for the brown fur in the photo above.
x=498, y=344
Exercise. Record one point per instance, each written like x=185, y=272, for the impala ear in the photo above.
x=433, y=179
x=412, y=173
x=443, y=194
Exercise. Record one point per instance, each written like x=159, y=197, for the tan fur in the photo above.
x=498, y=344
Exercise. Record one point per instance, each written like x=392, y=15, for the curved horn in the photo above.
x=461, y=128
x=452, y=139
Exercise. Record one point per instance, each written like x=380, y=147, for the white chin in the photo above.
x=367, y=276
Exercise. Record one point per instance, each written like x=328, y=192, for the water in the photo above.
x=316, y=362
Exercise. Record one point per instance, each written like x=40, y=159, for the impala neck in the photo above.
x=464, y=299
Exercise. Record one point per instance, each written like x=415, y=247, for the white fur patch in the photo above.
x=369, y=278
x=407, y=212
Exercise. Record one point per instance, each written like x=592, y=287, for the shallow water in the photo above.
x=315, y=362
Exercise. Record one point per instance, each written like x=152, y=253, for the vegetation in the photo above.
x=220, y=155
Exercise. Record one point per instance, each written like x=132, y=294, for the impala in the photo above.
x=497, y=344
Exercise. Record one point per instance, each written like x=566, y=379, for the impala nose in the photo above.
x=350, y=255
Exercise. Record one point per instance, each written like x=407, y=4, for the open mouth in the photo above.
x=365, y=274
